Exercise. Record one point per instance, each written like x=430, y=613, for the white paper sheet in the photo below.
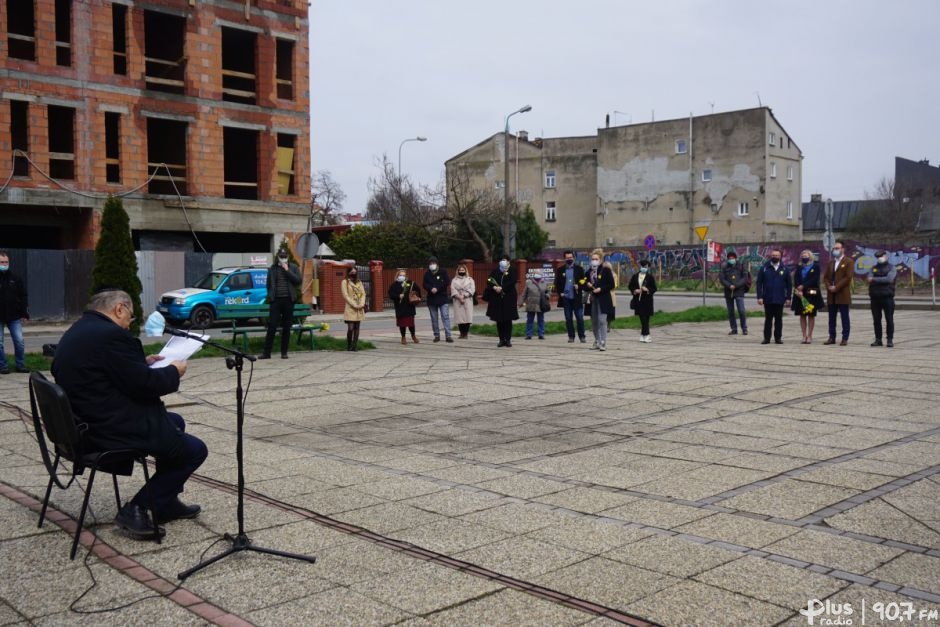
x=178, y=349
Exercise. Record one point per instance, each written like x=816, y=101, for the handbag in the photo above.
x=413, y=298
x=544, y=303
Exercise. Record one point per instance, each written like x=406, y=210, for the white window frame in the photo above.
x=682, y=147
x=550, y=179
x=789, y=172
x=789, y=210
x=551, y=214
x=773, y=169
x=772, y=139
x=743, y=209
x=706, y=175
x=500, y=184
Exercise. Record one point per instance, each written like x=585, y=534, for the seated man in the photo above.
x=112, y=389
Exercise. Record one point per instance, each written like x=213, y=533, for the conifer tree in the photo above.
x=115, y=262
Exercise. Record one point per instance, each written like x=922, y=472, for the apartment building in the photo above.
x=197, y=113
x=737, y=172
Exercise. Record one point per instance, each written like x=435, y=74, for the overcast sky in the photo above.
x=854, y=82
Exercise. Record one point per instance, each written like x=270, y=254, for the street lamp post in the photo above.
x=507, y=228
x=419, y=138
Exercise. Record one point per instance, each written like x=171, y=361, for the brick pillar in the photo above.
x=332, y=274
x=378, y=286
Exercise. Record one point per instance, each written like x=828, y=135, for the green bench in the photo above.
x=244, y=312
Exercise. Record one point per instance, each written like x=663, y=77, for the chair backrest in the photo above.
x=55, y=414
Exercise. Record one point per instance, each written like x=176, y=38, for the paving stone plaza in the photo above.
x=696, y=480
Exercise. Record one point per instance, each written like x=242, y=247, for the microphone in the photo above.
x=155, y=326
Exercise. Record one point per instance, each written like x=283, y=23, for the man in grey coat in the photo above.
x=881, y=291
x=735, y=280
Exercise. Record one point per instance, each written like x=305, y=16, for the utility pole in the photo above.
x=507, y=226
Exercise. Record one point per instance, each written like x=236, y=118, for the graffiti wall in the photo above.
x=685, y=262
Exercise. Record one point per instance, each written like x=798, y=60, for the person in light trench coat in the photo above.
x=462, y=289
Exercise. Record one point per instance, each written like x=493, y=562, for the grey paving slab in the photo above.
x=159, y=612
x=845, y=477
x=671, y=555
x=516, y=518
x=588, y=535
x=657, y=513
x=588, y=500
x=878, y=518
x=916, y=571
x=608, y=582
x=694, y=603
x=450, y=536
x=737, y=530
x=336, y=606
x=789, y=499
x=834, y=551
x=505, y=607
x=523, y=558
x=389, y=517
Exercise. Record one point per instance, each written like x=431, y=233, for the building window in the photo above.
x=550, y=179
x=19, y=135
x=112, y=147
x=789, y=172
x=240, y=153
x=551, y=243
x=21, y=29
x=781, y=141
x=238, y=66
x=285, y=163
x=773, y=169
x=63, y=32
x=681, y=147
x=61, y=142
x=285, y=69
x=119, y=37
x=500, y=184
x=789, y=210
x=164, y=51
x=743, y=209
x=550, y=211
x=166, y=145
x=714, y=207
x=706, y=176
x=772, y=138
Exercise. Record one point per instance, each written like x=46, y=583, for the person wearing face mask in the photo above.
x=462, y=291
x=774, y=289
x=599, y=281
x=283, y=279
x=568, y=287
x=534, y=298
x=13, y=312
x=643, y=286
x=400, y=293
x=436, y=281
x=806, y=288
x=838, y=285
x=735, y=280
x=354, y=293
x=500, y=296
x=881, y=291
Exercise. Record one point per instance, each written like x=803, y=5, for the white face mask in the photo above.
x=401, y=279
x=882, y=260
x=595, y=263
x=643, y=270
x=503, y=265
x=433, y=267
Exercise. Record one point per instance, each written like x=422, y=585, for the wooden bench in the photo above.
x=243, y=312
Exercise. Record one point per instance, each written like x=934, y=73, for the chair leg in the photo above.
x=45, y=501
x=81, y=515
x=153, y=513
x=117, y=492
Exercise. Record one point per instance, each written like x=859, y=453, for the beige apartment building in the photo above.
x=737, y=172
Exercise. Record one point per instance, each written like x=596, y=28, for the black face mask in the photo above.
x=806, y=261
x=461, y=273
x=569, y=262
x=352, y=276
x=775, y=260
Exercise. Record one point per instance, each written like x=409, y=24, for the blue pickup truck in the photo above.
x=225, y=286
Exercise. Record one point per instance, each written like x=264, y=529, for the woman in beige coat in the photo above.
x=354, y=293
x=462, y=289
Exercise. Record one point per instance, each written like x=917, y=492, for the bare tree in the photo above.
x=396, y=199
x=327, y=201
x=473, y=209
x=887, y=210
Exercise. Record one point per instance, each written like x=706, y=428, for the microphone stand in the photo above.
x=240, y=541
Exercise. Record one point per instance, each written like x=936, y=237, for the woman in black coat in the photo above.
x=806, y=285
x=399, y=293
x=599, y=284
x=501, y=295
x=643, y=286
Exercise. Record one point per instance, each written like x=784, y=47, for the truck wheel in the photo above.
x=201, y=317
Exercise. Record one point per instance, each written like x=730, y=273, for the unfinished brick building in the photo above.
x=203, y=104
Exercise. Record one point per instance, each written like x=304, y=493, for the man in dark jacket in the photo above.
x=283, y=279
x=13, y=310
x=735, y=280
x=881, y=291
x=115, y=392
x=436, y=283
x=568, y=288
x=774, y=289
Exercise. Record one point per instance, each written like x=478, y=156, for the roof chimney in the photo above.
x=815, y=198
x=524, y=136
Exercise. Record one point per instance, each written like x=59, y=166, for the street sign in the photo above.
x=701, y=231
x=307, y=245
x=714, y=252
x=649, y=242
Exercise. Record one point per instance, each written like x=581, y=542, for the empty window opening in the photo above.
x=285, y=69
x=166, y=144
x=285, y=163
x=119, y=37
x=61, y=142
x=21, y=29
x=112, y=146
x=681, y=147
x=240, y=152
x=550, y=211
x=63, y=32
x=238, y=66
x=164, y=44
x=550, y=179
x=19, y=135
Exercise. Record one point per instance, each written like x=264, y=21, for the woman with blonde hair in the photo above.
x=599, y=283
x=462, y=290
x=807, y=296
x=400, y=293
x=354, y=293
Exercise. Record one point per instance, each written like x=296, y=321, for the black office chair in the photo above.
x=53, y=419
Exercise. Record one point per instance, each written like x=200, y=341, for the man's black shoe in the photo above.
x=744, y=331
x=135, y=520
x=765, y=341
x=4, y=371
x=733, y=332
x=778, y=341
x=283, y=355
x=264, y=356
x=876, y=343
x=177, y=510
x=23, y=369
x=890, y=344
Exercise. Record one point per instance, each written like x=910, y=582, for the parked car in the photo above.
x=225, y=286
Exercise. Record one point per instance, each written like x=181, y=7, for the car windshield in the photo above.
x=210, y=281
